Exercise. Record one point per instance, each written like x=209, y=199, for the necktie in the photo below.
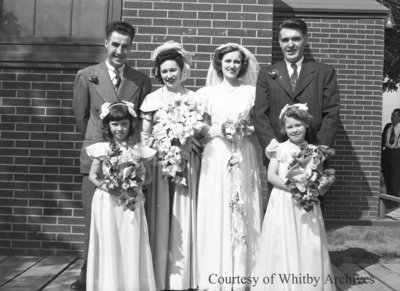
x=294, y=77
x=392, y=136
x=117, y=79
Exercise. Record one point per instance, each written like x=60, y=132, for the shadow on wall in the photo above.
x=353, y=195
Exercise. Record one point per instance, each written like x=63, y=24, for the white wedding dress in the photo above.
x=218, y=252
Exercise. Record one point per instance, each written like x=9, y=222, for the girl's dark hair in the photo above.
x=166, y=55
x=119, y=111
x=296, y=113
x=219, y=54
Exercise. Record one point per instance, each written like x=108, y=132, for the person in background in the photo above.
x=111, y=80
x=391, y=154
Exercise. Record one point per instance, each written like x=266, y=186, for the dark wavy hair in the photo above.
x=119, y=111
x=294, y=23
x=166, y=55
x=121, y=27
x=296, y=113
x=219, y=54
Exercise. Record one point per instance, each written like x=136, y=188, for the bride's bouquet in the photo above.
x=234, y=131
x=124, y=176
x=307, y=179
x=175, y=123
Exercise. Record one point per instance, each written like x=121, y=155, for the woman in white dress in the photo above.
x=228, y=215
x=170, y=207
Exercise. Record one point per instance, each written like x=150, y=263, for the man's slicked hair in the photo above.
x=294, y=23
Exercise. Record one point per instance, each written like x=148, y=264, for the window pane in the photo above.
x=89, y=18
x=53, y=18
x=17, y=17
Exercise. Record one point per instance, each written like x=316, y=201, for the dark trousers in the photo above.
x=87, y=196
x=391, y=170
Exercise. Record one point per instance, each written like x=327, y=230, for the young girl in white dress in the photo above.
x=119, y=256
x=293, y=248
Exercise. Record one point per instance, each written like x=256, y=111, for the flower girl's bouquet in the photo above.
x=124, y=176
x=175, y=123
x=307, y=179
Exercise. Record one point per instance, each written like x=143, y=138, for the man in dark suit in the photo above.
x=110, y=81
x=390, y=159
x=296, y=80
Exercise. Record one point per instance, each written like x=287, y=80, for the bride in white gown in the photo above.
x=228, y=217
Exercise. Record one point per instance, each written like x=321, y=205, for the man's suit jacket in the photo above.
x=317, y=86
x=92, y=88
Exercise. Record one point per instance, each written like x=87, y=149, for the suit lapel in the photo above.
x=128, y=87
x=105, y=87
x=307, y=73
x=284, y=81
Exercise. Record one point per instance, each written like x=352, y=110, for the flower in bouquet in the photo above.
x=175, y=122
x=124, y=176
x=234, y=131
x=306, y=178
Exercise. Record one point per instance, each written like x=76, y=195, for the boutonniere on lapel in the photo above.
x=94, y=79
x=274, y=74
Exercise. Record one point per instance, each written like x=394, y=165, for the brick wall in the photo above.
x=354, y=47
x=40, y=208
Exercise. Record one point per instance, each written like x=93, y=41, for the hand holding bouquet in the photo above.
x=124, y=176
x=234, y=131
x=306, y=178
x=175, y=122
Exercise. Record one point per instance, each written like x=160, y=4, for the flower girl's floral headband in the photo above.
x=105, y=108
x=300, y=106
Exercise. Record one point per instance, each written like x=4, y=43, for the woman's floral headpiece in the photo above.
x=105, y=108
x=300, y=106
x=173, y=45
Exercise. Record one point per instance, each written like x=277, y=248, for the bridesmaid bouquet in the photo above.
x=307, y=178
x=175, y=123
x=124, y=176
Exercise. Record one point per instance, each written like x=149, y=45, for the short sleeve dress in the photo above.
x=293, y=241
x=119, y=255
x=171, y=213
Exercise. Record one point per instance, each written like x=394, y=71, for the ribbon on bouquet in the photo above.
x=237, y=204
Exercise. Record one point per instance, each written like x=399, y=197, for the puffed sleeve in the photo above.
x=97, y=150
x=273, y=149
x=145, y=152
x=202, y=97
x=152, y=102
